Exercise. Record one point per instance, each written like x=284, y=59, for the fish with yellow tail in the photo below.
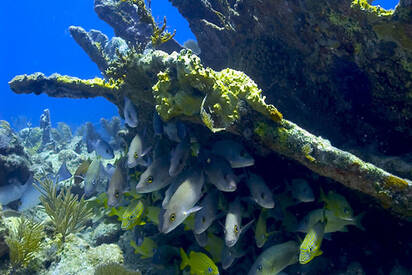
x=276, y=258
x=261, y=234
x=310, y=247
x=133, y=215
x=200, y=263
x=337, y=204
x=146, y=250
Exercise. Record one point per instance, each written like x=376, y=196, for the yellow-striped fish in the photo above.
x=133, y=215
x=310, y=247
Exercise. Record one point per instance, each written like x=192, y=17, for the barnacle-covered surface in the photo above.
x=183, y=83
x=341, y=69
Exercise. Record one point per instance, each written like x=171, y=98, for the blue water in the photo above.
x=35, y=38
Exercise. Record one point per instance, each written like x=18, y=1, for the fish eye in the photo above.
x=262, y=195
x=107, y=150
x=131, y=217
x=236, y=228
x=172, y=217
x=149, y=179
x=210, y=270
x=243, y=153
x=346, y=210
x=310, y=249
x=203, y=219
x=117, y=194
x=259, y=267
x=136, y=155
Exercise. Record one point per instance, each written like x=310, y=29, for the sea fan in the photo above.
x=23, y=241
x=68, y=214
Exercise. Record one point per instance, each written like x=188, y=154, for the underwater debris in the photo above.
x=24, y=240
x=67, y=213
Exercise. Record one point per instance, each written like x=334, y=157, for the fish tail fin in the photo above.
x=134, y=245
x=185, y=259
x=358, y=221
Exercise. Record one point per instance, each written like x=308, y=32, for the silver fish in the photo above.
x=183, y=201
x=276, y=258
x=135, y=154
x=220, y=173
x=102, y=148
x=201, y=238
x=205, y=216
x=155, y=177
x=302, y=191
x=118, y=184
x=233, y=152
x=95, y=175
x=179, y=157
x=175, y=131
x=233, y=228
x=230, y=254
x=30, y=198
x=261, y=194
x=175, y=183
x=13, y=190
x=130, y=114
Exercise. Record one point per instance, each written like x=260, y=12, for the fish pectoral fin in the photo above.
x=192, y=210
x=319, y=252
x=246, y=227
x=147, y=150
x=223, y=226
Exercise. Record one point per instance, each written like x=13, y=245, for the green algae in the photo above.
x=92, y=83
x=216, y=96
x=375, y=10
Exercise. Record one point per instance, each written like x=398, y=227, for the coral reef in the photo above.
x=76, y=257
x=114, y=268
x=3, y=233
x=14, y=161
x=45, y=126
x=341, y=69
x=132, y=22
x=225, y=101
